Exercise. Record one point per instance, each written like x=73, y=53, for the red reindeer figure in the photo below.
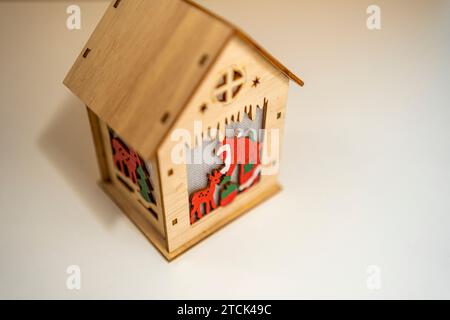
x=205, y=196
x=122, y=157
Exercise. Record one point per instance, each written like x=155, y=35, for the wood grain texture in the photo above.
x=265, y=191
x=146, y=59
x=273, y=86
x=116, y=178
x=131, y=209
x=244, y=36
x=98, y=144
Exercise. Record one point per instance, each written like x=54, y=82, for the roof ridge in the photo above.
x=255, y=45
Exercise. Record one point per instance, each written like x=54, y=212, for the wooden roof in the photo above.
x=145, y=60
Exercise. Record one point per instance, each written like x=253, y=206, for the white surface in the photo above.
x=365, y=172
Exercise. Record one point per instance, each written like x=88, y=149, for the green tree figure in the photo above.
x=145, y=186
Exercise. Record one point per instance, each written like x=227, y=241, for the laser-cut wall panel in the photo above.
x=132, y=171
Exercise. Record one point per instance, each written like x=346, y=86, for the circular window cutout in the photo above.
x=229, y=85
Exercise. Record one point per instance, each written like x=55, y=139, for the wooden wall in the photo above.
x=204, y=106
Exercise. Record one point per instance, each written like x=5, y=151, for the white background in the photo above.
x=365, y=168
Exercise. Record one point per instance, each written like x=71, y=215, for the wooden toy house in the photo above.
x=187, y=115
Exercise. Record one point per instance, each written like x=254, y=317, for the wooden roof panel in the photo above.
x=146, y=59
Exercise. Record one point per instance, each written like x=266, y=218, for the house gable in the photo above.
x=273, y=87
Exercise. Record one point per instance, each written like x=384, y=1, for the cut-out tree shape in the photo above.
x=129, y=163
x=145, y=186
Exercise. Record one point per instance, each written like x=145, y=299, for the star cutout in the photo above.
x=256, y=82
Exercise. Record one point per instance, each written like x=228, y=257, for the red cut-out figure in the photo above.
x=250, y=177
x=244, y=152
x=124, y=157
x=205, y=196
